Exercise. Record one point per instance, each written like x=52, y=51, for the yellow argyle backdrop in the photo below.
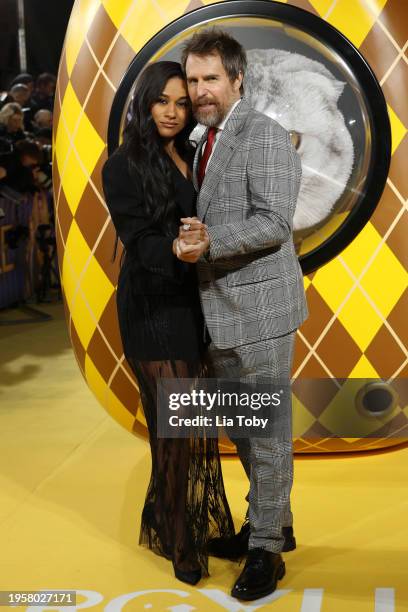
x=358, y=302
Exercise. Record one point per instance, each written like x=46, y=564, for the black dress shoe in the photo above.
x=260, y=575
x=191, y=577
x=237, y=545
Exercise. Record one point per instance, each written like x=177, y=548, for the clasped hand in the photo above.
x=193, y=242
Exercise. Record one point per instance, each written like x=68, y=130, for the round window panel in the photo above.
x=306, y=75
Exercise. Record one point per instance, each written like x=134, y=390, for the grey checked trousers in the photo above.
x=268, y=462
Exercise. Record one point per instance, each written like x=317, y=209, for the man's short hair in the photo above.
x=45, y=79
x=18, y=87
x=24, y=78
x=214, y=41
x=29, y=147
x=40, y=113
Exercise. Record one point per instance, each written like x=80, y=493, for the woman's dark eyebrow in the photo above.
x=181, y=97
x=166, y=96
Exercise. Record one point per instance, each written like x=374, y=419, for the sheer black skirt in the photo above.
x=185, y=502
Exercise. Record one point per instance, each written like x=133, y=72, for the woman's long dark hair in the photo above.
x=149, y=164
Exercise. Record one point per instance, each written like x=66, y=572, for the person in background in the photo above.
x=43, y=136
x=20, y=94
x=26, y=79
x=42, y=119
x=21, y=167
x=43, y=96
x=22, y=79
x=12, y=123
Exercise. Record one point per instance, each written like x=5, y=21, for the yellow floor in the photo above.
x=73, y=482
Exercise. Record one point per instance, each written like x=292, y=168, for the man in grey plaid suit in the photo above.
x=251, y=285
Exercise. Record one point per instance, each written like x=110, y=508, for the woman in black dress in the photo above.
x=148, y=188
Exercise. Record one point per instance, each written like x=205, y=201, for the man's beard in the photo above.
x=210, y=118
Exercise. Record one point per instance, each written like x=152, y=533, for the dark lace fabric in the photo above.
x=162, y=331
x=185, y=502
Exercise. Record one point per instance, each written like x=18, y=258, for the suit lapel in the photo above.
x=215, y=170
x=226, y=145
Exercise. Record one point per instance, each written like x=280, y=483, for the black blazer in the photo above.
x=149, y=258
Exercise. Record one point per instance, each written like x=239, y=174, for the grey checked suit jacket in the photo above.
x=251, y=283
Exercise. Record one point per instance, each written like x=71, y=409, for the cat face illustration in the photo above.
x=302, y=95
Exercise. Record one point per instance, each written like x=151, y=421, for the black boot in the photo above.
x=237, y=545
x=260, y=575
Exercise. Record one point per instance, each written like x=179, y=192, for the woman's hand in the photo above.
x=192, y=231
x=193, y=241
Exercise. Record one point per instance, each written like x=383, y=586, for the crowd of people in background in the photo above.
x=26, y=132
x=26, y=116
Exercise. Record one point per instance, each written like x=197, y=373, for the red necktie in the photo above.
x=208, y=150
